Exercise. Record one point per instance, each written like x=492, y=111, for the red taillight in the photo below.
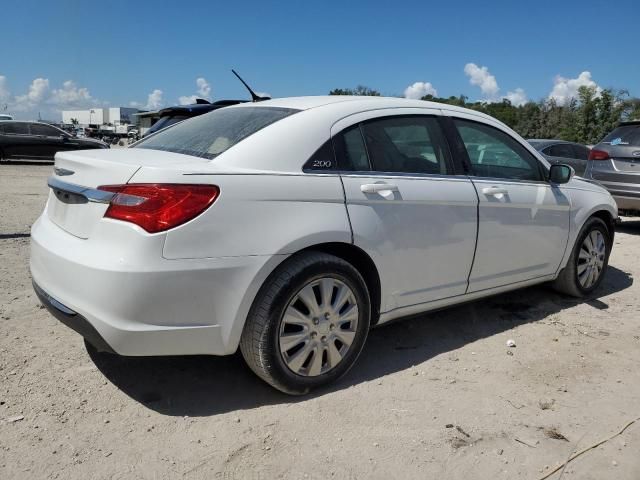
x=159, y=206
x=598, y=155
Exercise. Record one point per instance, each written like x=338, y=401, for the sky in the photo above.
x=67, y=54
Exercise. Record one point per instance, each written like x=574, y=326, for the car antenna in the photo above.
x=254, y=96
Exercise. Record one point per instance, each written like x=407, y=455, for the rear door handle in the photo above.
x=378, y=188
x=495, y=191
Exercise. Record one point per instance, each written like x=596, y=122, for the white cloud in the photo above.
x=518, y=97
x=481, y=77
x=564, y=89
x=38, y=90
x=204, y=88
x=70, y=96
x=187, y=100
x=263, y=94
x=154, y=100
x=419, y=90
x=5, y=94
x=203, y=91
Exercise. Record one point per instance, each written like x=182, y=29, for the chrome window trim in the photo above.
x=91, y=194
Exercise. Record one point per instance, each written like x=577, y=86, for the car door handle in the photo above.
x=378, y=187
x=495, y=191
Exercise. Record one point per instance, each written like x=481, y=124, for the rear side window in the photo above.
x=624, y=135
x=209, y=135
x=563, y=150
x=16, y=128
x=494, y=154
x=350, y=150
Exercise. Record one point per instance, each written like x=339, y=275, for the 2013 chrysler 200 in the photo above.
x=288, y=228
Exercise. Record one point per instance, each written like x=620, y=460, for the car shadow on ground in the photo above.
x=206, y=385
x=27, y=162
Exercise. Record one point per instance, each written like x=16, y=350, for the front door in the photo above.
x=408, y=211
x=523, y=221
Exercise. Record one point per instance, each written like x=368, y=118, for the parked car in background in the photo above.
x=38, y=141
x=559, y=151
x=615, y=164
x=287, y=228
x=172, y=115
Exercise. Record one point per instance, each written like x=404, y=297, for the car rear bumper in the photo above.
x=159, y=307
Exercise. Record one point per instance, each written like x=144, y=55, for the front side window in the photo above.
x=209, y=135
x=46, y=130
x=495, y=154
x=413, y=144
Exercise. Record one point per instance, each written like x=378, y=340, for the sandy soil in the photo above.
x=439, y=396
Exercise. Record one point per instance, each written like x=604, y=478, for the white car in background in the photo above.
x=289, y=227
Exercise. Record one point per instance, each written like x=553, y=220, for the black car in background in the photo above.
x=172, y=115
x=559, y=151
x=38, y=141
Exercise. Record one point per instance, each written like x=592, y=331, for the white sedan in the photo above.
x=288, y=228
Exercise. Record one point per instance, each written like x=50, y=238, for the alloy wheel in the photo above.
x=318, y=327
x=591, y=258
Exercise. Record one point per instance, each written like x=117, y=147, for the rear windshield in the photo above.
x=209, y=135
x=624, y=135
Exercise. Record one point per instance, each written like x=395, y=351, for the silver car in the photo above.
x=615, y=163
x=559, y=151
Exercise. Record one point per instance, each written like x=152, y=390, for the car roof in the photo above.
x=545, y=142
x=357, y=104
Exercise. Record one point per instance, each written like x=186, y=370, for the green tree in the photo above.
x=360, y=90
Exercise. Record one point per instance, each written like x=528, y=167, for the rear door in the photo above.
x=408, y=210
x=16, y=141
x=46, y=140
x=523, y=221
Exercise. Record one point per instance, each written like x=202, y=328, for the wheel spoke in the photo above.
x=326, y=291
x=349, y=315
x=341, y=298
x=333, y=355
x=290, y=340
x=583, y=255
x=293, y=316
x=296, y=361
x=581, y=268
x=345, y=336
x=587, y=243
x=594, y=240
x=308, y=297
x=315, y=368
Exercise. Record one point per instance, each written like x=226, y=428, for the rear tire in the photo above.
x=588, y=261
x=308, y=324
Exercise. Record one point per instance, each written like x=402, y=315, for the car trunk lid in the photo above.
x=75, y=204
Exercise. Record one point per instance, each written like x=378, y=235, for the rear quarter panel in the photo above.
x=258, y=214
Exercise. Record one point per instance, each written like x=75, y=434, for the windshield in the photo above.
x=211, y=134
x=624, y=135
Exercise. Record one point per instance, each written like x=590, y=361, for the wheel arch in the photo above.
x=363, y=263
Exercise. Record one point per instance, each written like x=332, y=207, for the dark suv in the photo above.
x=615, y=163
x=38, y=141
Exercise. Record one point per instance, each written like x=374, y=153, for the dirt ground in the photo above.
x=440, y=396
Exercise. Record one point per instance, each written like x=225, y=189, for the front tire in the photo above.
x=308, y=324
x=588, y=262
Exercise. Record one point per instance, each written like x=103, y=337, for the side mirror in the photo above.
x=560, y=173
